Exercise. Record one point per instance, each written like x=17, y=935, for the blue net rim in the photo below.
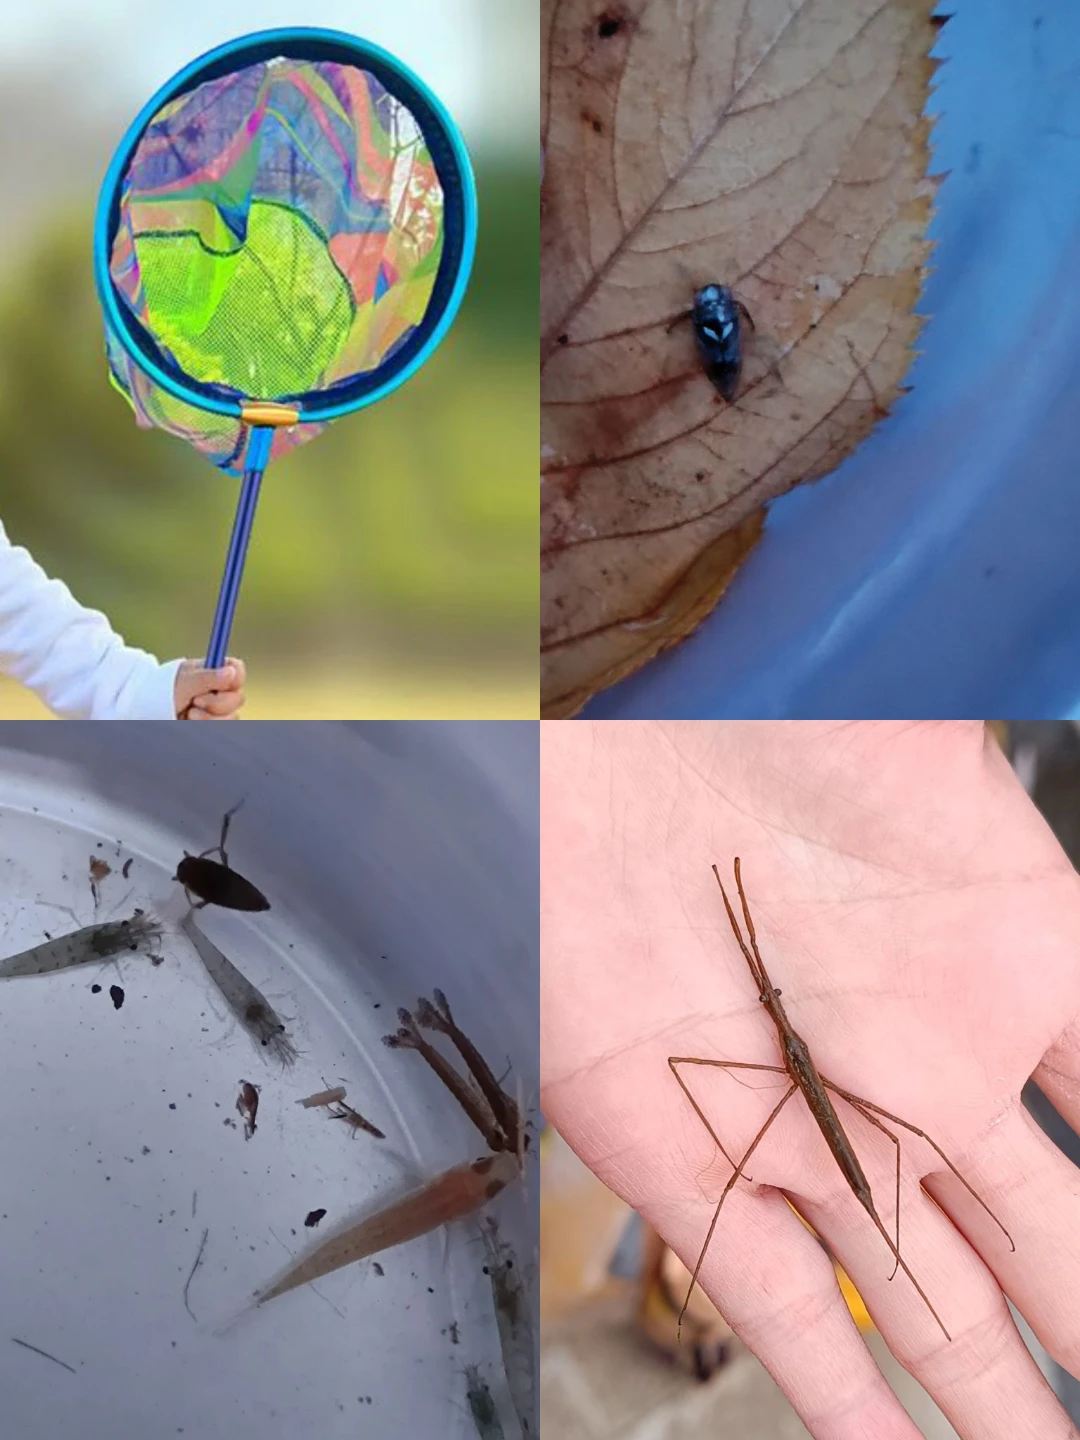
x=451, y=161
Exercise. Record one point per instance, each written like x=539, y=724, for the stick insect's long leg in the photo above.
x=674, y=1060
x=857, y=1100
x=734, y=1176
x=903, y=1266
x=865, y=1113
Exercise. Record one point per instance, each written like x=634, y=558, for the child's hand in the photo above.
x=203, y=694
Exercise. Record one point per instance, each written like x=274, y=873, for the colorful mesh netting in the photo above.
x=280, y=230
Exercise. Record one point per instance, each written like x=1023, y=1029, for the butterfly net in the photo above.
x=278, y=236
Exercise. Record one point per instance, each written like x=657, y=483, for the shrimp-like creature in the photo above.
x=88, y=946
x=247, y=1003
x=514, y=1319
x=482, y=1407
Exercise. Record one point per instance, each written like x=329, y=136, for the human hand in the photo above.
x=203, y=694
x=924, y=927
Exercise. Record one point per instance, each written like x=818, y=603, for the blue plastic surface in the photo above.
x=935, y=573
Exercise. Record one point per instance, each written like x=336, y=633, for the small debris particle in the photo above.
x=127, y=867
x=313, y=1218
x=95, y=989
x=157, y=959
x=430, y=1291
x=198, y=1261
x=377, y=1268
x=99, y=868
x=323, y=1097
x=172, y=1104
x=27, y=1346
x=117, y=996
x=146, y=1149
x=455, y=1338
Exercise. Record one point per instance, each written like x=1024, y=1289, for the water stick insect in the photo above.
x=492, y=1111
x=804, y=1075
x=471, y=1100
x=438, y=1017
x=215, y=882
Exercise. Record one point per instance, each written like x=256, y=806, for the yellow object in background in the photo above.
x=852, y=1298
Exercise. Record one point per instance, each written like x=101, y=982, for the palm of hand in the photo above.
x=909, y=902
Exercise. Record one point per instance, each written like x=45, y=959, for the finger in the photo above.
x=220, y=706
x=984, y=1377
x=777, y=1289
x=241, y=671
x=1058, y=1075
x=1035, y=1191
x=193, y=680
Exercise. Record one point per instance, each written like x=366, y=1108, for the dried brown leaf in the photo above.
x=779, y=148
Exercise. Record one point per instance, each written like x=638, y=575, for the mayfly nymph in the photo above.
x=717, y=316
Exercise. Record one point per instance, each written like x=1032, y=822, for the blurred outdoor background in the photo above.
x=393, y=565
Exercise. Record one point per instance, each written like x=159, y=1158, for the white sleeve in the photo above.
x=70, y=656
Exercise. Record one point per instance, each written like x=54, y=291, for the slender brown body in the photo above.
x=804, y=1076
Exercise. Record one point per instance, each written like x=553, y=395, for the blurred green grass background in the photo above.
x=393, y=568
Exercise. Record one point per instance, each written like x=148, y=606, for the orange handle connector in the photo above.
x=268, y=412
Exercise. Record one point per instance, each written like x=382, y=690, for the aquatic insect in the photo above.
x=437, y=1016
x=716, y=316
x=247, y=1102
x=804, y=1075
x=216, y=882
x=247, y=1003
x=354, y=1119
x=450, y=1196
x=87, y=946
x=487, y=1105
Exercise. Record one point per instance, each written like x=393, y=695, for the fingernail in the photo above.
x=226, y=673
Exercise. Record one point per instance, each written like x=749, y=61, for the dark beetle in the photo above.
x=215, y=882
x=718, y=332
